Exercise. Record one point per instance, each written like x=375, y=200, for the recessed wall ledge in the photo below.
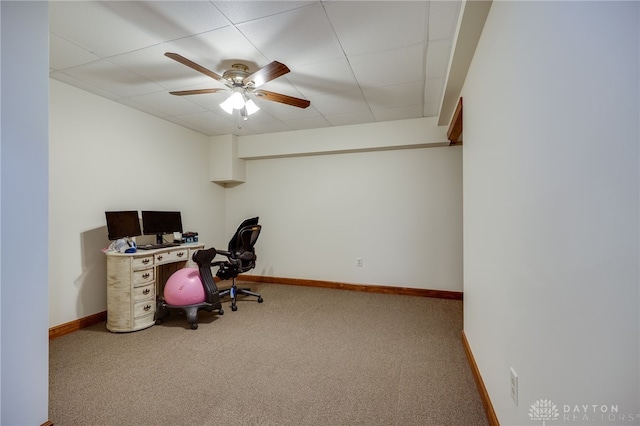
x=390, y=135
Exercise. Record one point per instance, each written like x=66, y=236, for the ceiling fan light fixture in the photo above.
x=227, y=105
x=239, y=101
x=251, y=107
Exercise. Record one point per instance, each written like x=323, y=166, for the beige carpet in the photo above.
x=306, y=356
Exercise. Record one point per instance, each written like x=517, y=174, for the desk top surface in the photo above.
x=155, y=251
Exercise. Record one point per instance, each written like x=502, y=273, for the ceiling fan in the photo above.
x=241, y=83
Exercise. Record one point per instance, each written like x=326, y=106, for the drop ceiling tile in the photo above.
x=243, y=11
x=287, y=112
x=270, y=127
x=389, y=67
x=345, y=119
x=96, y=90
x=401, y=113
x=370, y=26
x=299, y=36
x=433, y=89
x=169, y=20
x=323, y=77
x=260, y=117
x=167, y=104
x=340, y=103
x=191, y=126
x=67, y=54
x=243, y=130
x=97, y=28
x=206, y=120
x=398, y=95
x=282, y=85
x=113, y=78
x=382, y=43
x=169, y=74
x=144, y=108
x=431, y=109
x=208, y=101
x=443, y=18
x=438, y=53
x=219, y=49
x=307, y=123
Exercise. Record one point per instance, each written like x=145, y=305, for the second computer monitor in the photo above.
x=159, y=223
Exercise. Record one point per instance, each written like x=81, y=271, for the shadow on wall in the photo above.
x=92, y=282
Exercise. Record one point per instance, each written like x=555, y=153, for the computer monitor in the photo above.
x=122, y=224
x=159, y=223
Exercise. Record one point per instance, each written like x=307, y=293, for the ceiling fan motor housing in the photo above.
x=236, y=74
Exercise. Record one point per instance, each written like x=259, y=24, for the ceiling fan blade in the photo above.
x=279, y=97
x=197, y=92
x=193, y=65
x=267, y=73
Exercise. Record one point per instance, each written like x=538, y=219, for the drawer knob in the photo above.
x=146, y=291
x=159, y=257
x=146, y=308
x=145, y=261
x=146, y=275
x=180, y=254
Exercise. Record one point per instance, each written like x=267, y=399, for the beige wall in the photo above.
x=551, y=194
x=105, y=156
x=400, y=211
x=397, y=209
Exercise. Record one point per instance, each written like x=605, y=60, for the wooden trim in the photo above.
x=407, y=291
x=47, y=423
x=454, y=134
x=61, y=330
x=484, y=395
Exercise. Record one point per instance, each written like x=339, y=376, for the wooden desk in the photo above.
x=135, y=279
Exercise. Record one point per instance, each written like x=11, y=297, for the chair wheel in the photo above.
x=260, y=300
x=234, y=308
x=220, y=312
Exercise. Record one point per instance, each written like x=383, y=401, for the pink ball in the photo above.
x=184, y=287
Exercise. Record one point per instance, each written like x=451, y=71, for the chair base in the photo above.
x=191, y=311
x=234, y=291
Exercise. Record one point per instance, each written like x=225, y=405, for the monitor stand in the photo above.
x=159, y=239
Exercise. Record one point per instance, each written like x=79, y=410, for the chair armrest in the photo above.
x=224, y=252
x=247, y=255
x=204, y=257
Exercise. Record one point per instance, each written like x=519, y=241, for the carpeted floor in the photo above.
x=306, y=356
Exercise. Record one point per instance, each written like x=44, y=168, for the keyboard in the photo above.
x=157, y=246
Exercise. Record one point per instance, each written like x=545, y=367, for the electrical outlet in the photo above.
x=359, y=262
x=514, y=386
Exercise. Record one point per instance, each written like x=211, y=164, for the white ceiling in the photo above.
x=356, y=61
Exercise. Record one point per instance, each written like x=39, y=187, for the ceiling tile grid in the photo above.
x=355, y=61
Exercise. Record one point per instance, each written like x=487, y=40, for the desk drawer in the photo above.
x=142, y=262
x=143, y=322
x=145, y=292
x=143, y=276
x=143, y=308
x=181, y=254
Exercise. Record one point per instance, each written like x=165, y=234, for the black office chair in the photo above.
x=212, y=297
x=241, y=257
